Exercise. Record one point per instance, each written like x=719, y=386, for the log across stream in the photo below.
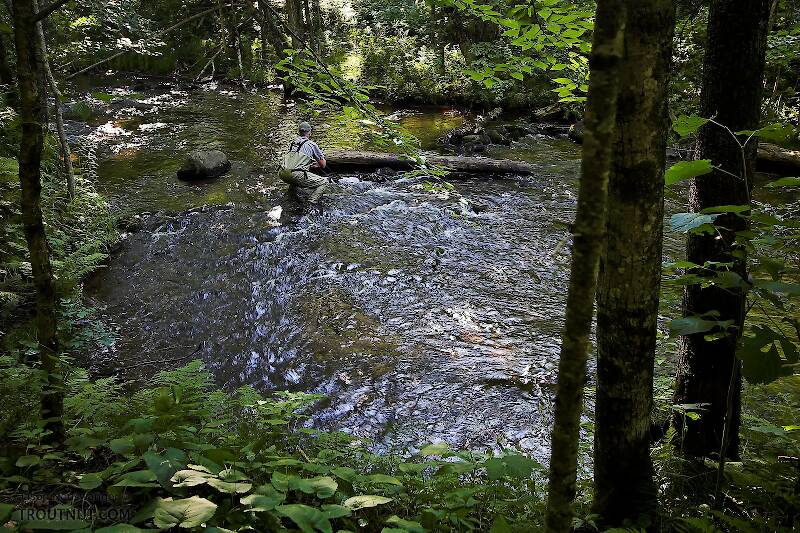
x=359, y=160
x=770, y=157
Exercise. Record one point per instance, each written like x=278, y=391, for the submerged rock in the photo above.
x=204, y=164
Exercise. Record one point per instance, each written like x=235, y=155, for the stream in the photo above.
x=420, y=319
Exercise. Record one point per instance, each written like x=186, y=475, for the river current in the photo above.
x=421, y=317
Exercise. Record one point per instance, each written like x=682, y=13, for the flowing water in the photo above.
x=420, y=319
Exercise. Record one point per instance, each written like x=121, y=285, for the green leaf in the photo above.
x=90, y=481
x=265, y=499
x=138, y=478
x=122, y=446
x=28, y=460
x=232, y=475
x=520, y=466
x=689, y=325
x=735, y=209
x=368, y=500
x=189, y=478
x=685, y=222
x=686, y=124
x=308, y=519
x=789, y=289
x=761, y=360
x=517, y=76
x=441, y=449
x=5, y=512
x=495, y=468
x=406, y=525
x=685, y=170
x=186, y=513
x=500, y=525
x=769, y=430
x=785, y=182
x=165, y=465
x=781, y=134
x=227, y=487
x=333, y=511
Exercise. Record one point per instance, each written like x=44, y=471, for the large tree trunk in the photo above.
x=731, y=94
x=630, y=270
x=33, y=116
x=588, y=234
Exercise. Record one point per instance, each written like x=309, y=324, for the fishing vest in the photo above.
x=295, y=161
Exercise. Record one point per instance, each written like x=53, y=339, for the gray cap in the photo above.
x=305, y=127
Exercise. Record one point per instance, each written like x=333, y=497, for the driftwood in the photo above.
x=771, y=157
x=345, y=160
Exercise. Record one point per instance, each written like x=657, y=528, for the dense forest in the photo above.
x=540, y=273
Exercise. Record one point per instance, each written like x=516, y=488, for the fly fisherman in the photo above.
x=302, y=156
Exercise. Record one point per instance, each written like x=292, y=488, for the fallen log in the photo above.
x=349, y=160
x=772, y=157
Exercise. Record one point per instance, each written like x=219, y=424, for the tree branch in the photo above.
x=44, y=13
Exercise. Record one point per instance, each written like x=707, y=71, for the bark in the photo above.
x=66, y=152
x=731, y=93
x=33, y=116
x=348, y=160
x=316, y=25
x=6, y=78
x=630, y=271
x=588, y=233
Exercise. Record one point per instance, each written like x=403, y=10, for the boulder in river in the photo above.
x=204, y=164
x=576, y=132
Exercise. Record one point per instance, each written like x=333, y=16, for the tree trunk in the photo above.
x=630, y=270
x=6, y=78
x=316, y=25
x=731, y=94
x=33, y=116
x=66, y=152
x=589, y=231
x=294, y=17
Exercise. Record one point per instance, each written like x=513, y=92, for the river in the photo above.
x=420, y=319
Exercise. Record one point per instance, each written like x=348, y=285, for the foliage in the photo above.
x=181, y=453
x=80, y=232
x=554, y=32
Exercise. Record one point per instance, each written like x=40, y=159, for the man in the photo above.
x=302, y=156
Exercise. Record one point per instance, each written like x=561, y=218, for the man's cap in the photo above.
x=305, y=127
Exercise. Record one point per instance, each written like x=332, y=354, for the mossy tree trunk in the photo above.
x=630, y=270
x=33, y=117
x=588, y=235
x=731, y=94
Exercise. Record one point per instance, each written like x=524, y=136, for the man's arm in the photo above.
x=319, y=156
